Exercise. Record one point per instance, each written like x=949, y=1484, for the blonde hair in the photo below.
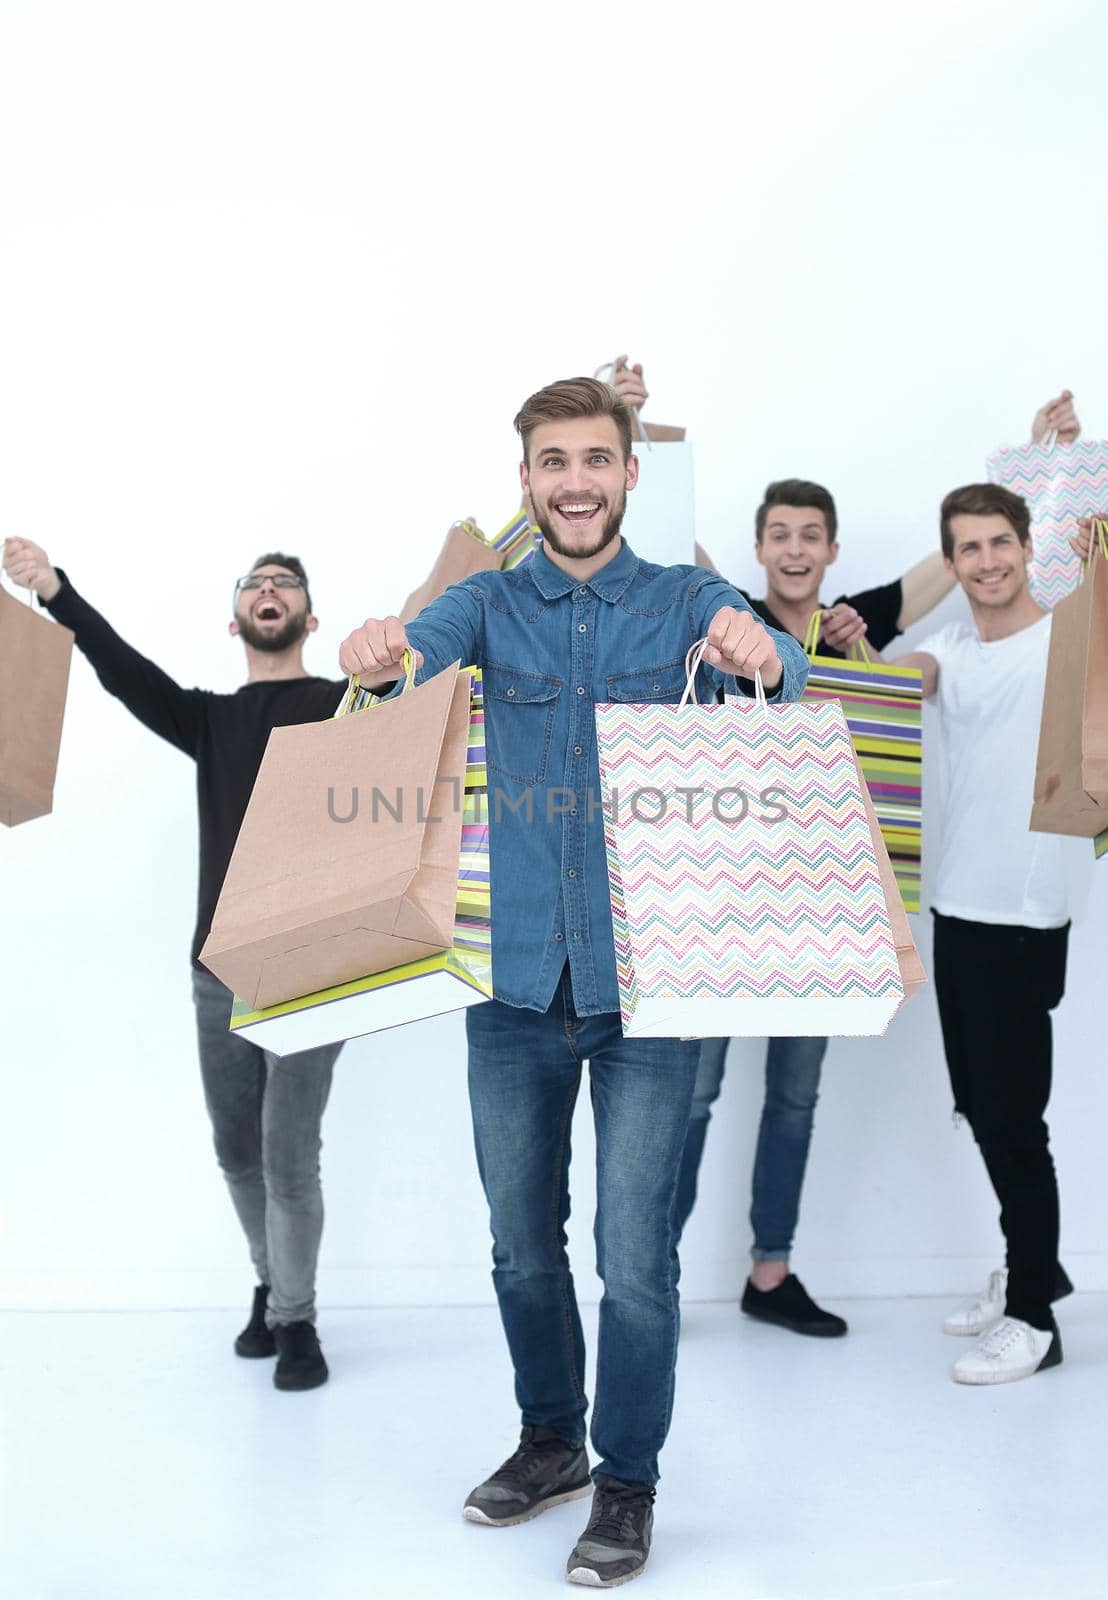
x=573, y=397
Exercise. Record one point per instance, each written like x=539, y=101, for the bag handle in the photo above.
x=1099, y=542
x=354, y=687
x=858, y=651
x=693, y=661
x=636, y=414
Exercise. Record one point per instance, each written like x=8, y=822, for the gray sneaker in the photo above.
x=616, y=1544
x=545, y=1471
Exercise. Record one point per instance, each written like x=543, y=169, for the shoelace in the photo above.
x=522, y=1463
x=612, y=1506
x=999, y=1340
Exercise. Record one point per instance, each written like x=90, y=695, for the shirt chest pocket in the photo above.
x=664, y=684
x=519, y=721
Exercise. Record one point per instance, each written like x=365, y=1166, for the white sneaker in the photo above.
x=977, y=1315
x=1010, y=1349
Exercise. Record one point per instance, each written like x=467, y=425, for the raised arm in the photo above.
x=150, y=694
x=922, y=587
x=927, y=664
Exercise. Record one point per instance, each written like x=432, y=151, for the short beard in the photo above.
x=608, y=532
x=272, y=644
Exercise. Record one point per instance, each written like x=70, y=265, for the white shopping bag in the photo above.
x=660, y=520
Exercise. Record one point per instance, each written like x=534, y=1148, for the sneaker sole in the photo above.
x=593, y=1580
x=1053, y=1358
x=292, y=1385
x=475, y=1514
x=814, y=1330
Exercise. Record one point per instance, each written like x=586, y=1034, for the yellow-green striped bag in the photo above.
x=883, y=709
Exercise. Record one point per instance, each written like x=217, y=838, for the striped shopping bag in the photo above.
x=1060, y=483
x=883, y=706
x=451, y=980
x=517, y=540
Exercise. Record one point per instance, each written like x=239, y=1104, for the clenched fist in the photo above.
x=841, y=626
x=28, y=564
x=739, y=644
x=375, y=651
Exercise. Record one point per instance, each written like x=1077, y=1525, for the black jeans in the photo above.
x=996, y=987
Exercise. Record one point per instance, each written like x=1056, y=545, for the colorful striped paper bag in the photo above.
x=746, y=896
x=458, y=977
x=883, y=706
x=1060, y=483
x=517, y=540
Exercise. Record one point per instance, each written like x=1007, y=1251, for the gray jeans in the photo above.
x=266, y=1112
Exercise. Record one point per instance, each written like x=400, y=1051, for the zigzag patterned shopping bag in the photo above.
x=746, y=898
x=883, y=706
x=1060, y=483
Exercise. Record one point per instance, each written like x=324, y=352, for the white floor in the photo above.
x=142, y=1459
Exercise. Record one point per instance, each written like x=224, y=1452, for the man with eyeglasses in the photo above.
x=265, y=1110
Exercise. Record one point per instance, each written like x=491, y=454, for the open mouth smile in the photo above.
x=578, y=513
x=268, y=611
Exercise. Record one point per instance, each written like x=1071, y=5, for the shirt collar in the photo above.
x=609, y=583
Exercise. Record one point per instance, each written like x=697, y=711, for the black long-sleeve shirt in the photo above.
x=225, y=734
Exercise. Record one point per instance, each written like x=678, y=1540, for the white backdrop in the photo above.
x=279, y=275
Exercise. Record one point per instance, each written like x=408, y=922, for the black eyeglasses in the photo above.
x=279, y=580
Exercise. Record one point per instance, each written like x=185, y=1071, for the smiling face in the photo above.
x=988, y=559
x=796, y=550
x=270, y=618
x=577, y=479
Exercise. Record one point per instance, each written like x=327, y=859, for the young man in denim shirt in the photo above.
x=586, y=621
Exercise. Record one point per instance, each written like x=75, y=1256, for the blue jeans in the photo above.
x=265, y=1112
x=792, y=1088
x=524, y=1073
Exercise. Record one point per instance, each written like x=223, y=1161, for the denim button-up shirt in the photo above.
x=550, y=648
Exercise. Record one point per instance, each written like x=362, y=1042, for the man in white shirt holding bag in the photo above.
x=1001, y=919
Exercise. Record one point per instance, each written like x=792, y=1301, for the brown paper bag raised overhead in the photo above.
x=34, y=675
x=341, y=869
x=462, y=554
x=1071, y=769
x=912, y=975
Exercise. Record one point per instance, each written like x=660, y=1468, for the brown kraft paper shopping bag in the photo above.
x=35, y=654
x=1071, y=768
x=463, y=554
x=346, y=863
x=912, y=974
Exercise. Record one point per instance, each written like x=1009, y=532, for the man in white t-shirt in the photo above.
x=1001, y=918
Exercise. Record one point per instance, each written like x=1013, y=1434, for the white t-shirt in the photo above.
x=990, y=700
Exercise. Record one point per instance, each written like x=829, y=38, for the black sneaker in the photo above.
x=614, y=1547
x=300, y=1363
x=791, y=1306
x=545, y=1471
x=256, y=1339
